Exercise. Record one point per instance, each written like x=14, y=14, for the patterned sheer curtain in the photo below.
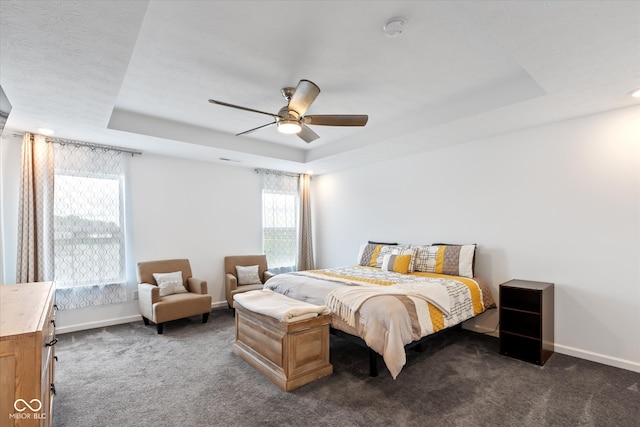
x=286, y=221
x=89, y=241
x=35, y=216
x=280, y=212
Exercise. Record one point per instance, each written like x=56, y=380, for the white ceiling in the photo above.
x=138, y=74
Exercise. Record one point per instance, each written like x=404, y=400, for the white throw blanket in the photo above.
x=278, y=306
x=344, y=302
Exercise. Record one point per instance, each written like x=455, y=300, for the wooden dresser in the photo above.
x=27, y=340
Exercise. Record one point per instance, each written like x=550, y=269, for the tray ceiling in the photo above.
x=138, y=74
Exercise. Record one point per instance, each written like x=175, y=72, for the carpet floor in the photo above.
x=127, y=375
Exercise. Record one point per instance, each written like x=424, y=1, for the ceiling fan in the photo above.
x=291, y=118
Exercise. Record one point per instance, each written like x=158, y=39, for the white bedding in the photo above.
x=269, y=303
x=345, y=301
x=387, y=323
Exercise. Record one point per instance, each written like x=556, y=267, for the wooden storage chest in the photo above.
x=289, y=354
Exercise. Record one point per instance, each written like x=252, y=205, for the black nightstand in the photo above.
x=526, y=320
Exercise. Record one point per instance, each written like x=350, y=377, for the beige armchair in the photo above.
x=190, y=301
x=231, y=278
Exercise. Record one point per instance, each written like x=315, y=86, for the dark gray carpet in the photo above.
x=127, y=375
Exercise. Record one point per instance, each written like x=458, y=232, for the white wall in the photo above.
x=196, y=210
x=558, y=203
x=10, y=184
x=178, y=209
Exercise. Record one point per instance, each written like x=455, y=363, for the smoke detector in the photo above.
x=394, y=26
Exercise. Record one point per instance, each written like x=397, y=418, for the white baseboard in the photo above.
x=115, y=321
x=598, y=358
x=570, y=351
x=220, y=304
x=98, y=324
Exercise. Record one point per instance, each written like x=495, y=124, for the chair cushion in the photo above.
x=248, y=275
x=170, y=283
x=178, y=306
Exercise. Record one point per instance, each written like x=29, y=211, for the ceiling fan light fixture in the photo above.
x=291, y=118
x=289, y=126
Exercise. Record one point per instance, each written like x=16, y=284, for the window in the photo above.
x=89, y=234
x=280, y=212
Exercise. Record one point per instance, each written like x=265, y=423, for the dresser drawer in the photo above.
x=48, y=343
x=27, y=348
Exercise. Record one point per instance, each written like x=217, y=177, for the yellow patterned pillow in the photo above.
x=368, y=254
x=408, y=251
x=454, y=260
x=381, y=251
x=376, y=256
x=396, y=263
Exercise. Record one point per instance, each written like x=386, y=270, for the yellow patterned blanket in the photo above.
x=388, y=321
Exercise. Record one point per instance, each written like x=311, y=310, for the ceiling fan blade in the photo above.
x=226, y=104
x=336, y=120
x=255, y=129
x=307, y=134
x=306, y=92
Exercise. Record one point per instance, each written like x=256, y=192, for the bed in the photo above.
x=389, y=300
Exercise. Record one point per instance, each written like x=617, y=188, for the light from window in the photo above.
x=88, y=231
x=279, y=229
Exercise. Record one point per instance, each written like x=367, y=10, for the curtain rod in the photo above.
x=63, y=141
x=275, y=172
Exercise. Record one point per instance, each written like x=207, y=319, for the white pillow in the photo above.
x=170, y=283
x=248, y=275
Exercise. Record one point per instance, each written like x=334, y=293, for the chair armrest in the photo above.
x=148, y=294
x=230, y=282
x=268, y=275
x=197, y=286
